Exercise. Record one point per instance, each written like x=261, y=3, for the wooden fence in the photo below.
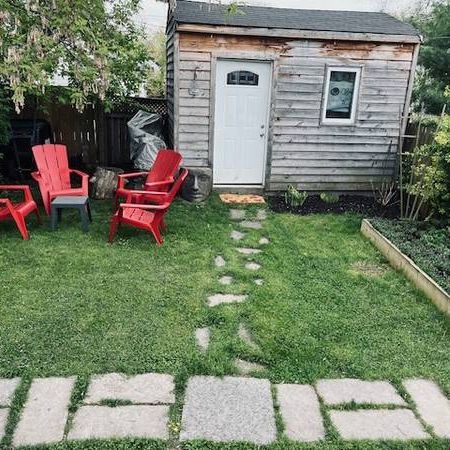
x=95, y=137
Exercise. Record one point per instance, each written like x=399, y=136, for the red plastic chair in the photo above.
x=53, y=175
x=18, y=211
x=159, y=178
x=145, y=216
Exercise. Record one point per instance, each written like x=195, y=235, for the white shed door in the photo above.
x=240, y=126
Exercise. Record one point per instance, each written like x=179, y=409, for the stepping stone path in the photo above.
x=251, y=225
x=237, y=235
x=248, y=251
x=237, y=214
x=226, y=280
x=252, y=266
x=259, y=282
x=219, y=261
x=202, y=336
x=261, y=214
x=247, y=367
x=264, y=241
x=219, y=299
x=227, y=410
x=245, y=335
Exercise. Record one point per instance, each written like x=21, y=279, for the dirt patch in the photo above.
x=369, y=269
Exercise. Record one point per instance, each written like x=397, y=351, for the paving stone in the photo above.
x=251, y=225
x=150, y=388
x=218, y=299
x=136, y=421
x=259, y=282
x=300, y=410
x=3, y=421
x=378, y=424
x=261, y=214
x=45, y=413
x=226, y=280
x=245, y=335
x=431, y=404
x=252, y=266
x=248, y=251
x=247, y=367
x=237, y=235
x=202, y=336
x=219, y=261
x=228, y=409
x=346, y=390
x=7, y=388
x=264, y=241
x=237, y=214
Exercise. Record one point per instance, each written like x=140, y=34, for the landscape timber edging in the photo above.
x=402, y=262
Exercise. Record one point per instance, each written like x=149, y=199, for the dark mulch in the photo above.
x=364, y=205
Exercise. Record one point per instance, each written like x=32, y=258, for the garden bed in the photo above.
x=365, y=205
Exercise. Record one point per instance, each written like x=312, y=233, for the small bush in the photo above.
x=294, y=198
x=329, y=197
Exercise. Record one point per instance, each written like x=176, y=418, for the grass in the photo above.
x=73, y=305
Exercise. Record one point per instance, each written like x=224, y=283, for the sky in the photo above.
x=153, y=13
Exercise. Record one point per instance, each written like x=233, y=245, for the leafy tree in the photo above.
x=95, y=45
x=156, y=81
x=434, y=57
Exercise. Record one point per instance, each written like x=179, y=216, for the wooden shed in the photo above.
x=268, y=97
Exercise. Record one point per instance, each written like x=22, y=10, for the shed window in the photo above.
x=243, y=77
x=341, y=95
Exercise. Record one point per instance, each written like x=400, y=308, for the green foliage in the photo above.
x=329, y=197
x=156, y=80
x=427, y=246
x=294, y=198
x=96, y=46
x=434, y=57
x=431, y=173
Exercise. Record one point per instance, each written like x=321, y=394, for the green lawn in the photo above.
x=71, y=304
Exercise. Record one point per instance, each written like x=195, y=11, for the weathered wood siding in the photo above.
x=170, y=78
x=304, y=152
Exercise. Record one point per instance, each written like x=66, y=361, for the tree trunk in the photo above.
x=104, y=182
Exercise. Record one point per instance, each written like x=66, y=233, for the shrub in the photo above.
x=329, y=197
x=294, y=198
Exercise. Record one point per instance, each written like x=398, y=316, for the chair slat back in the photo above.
x=177, y=185
x=165, y=166
x=53, y=165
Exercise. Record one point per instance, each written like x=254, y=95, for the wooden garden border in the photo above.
x=401, y=262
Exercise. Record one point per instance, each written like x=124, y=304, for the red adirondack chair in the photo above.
x=159, y=178
x=53, y=175
x=146, y=216
x=18, y=211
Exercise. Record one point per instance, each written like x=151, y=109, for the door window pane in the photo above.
x=243, y=78
x=341, y=91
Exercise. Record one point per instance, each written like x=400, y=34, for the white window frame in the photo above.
x=340, y=121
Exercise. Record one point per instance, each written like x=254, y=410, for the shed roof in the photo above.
x=200, y=13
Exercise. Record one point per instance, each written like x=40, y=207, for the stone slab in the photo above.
x=259, y=282
x=264, y=241
x=3, y=421
x=136, y=421
x=252, y=266
x=237, y=214
x=149, y=388
x=226, y=280
x=7, y=388
x=261, y=214
x=219, y=261
x=250, y=225
x=229, y=409
x=202, y=336
x=237, y=235
x=432, y=405
x=300, y=410
x=247, y=367
x=245, y=335
x=248, y=251
x=378, y=424
x=45, y=412
x=218, y=299
x=348, y=390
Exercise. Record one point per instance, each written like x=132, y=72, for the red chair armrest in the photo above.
x=153, y=184
x=125, y=176
x=84, y=177
x=146, y=207
x=18, y=187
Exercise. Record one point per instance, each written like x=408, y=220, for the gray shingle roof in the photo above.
x=296, y=19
